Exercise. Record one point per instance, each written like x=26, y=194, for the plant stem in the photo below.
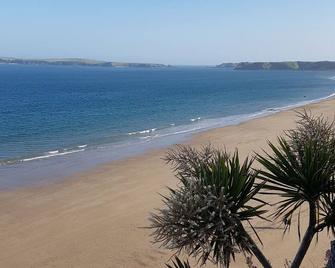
x=257, y=252
x=308, y=237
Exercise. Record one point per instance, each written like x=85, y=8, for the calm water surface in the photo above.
x=61, y=119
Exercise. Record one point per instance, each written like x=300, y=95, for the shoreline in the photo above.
x=57, y=165
x=92, y=218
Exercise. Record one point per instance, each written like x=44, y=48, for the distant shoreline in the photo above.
x=282, y=65
x=78, y=62
x=266, y=66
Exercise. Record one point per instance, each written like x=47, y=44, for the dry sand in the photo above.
x=93, y=219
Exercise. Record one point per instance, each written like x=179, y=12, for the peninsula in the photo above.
x=283, y=65
x=77, y=61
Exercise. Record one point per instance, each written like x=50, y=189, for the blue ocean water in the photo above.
x=70, y=117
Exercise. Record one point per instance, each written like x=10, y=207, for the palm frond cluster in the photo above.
x=327, y=213
x=204, y=215
x=311, y=127
x=301, y=169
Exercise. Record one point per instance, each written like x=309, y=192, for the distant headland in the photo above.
x=280, y=65
x=78, y=61
x=283, y=65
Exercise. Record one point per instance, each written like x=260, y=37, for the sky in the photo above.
x=194, y=32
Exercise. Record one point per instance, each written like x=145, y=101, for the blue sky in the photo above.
x=169, y=31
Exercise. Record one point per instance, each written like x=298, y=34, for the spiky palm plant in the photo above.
x=300, y=169
x=204, y=216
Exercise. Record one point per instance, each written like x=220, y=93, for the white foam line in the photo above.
x=82, y=146
x=303, y=103
x=142, y=131
x=177, y=132
x=145, y=137
x=53, y=152
x=51, y=155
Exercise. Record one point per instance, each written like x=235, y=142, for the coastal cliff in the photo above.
x=284, y=65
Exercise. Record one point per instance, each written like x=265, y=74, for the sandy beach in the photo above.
x=93, y=219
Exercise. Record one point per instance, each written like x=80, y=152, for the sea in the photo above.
x=59, y=120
